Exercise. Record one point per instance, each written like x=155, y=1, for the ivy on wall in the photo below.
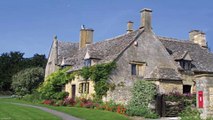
x=52, y=86
x=99, y=74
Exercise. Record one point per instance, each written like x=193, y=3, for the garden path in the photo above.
x=62, y=115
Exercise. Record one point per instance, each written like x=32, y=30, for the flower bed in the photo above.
x=87, y=103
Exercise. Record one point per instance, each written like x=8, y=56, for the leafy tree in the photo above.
x=25, y=81
x=11, y=63
x=37, y=61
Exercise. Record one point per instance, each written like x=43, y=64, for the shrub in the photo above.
x=188, y=100
x=35, y=97
x=143, y=93
x=136, y=111
x=69, y=102
x=190, y=114
x=60, y=95
x=48, y=102
x=27, y=80
x=52, y=86
x=88, y=104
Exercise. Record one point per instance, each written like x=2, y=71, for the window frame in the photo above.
x=186, y=64
x=84, y=87
x=138, y=68
x=133, y=69
x=87, y=62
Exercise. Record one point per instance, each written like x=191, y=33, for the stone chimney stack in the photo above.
x=129, y=27
x=86, y=37
x=198, y=37
x=146, y=19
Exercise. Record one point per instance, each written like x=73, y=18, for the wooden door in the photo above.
x=73, y=91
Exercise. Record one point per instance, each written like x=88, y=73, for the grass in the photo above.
x=83, y=113
x=10, y=111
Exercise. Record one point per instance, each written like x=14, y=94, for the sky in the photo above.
x=29, y=26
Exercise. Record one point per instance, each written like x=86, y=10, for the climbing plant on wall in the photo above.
x=52, y=86
x=99, y=74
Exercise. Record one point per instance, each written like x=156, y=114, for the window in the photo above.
x=185, y=64
x=84, y=87
x=87, y=62
x=186, y=89
x=138, y=69
x=133, y=67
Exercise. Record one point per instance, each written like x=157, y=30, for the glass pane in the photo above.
x=133, y=67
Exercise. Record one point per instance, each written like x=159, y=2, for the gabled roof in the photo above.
x=202, y=58
x=108, y=50
x=66, y=50
x=181, y=55
x=104, y=51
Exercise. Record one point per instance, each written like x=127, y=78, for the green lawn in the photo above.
x=87, y=114
x=10, y=111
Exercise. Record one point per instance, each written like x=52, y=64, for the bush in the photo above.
x=35, y=97
x=27, y=80
x=52, y=86
x=48, y=102
x=60, y=95
x=143, y=93
x=134, y=111
x=69, y=102
x=188, y=100
x=190, y=114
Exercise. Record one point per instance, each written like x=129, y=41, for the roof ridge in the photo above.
x=68, y=42
x=173, y=39
x=176, y=40
x=113, y=38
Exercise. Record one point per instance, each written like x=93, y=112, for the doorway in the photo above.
x=73, y=91
x=186, y=89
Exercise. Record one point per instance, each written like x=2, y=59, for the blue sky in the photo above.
x=29, y=25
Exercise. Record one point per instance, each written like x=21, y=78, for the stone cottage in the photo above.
x=173, y=65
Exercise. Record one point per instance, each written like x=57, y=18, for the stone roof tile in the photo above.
x=202, y=58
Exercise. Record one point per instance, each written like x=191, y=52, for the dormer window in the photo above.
x=184, y=59
x=87, y=62
x=186, y=64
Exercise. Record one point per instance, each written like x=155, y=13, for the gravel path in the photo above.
x=62, y=115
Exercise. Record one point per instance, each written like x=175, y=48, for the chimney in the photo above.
x=129, y=27
x=86, y=37
x=198, y=37
x=146, y=19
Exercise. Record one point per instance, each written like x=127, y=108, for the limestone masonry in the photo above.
x=174, y=65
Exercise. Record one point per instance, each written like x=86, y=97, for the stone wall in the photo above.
x=204, y=83
x=170, y=86
x=76, y=82
x=155, y=56
x=52, y=59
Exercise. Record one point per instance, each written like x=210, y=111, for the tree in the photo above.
x=25, y=81
x=11, y=63
x=38, y=61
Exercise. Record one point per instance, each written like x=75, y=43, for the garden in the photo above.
x=30, y=88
